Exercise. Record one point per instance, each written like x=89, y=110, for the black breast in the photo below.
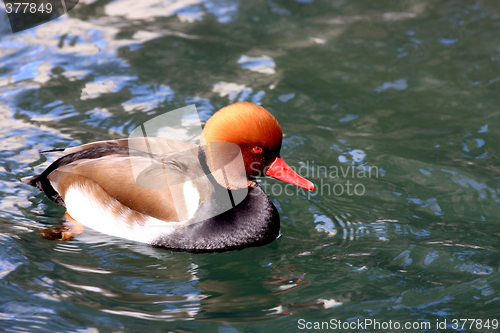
x=253, y=222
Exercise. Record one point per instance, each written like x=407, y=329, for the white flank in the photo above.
x=84, y=208
x=191, y=198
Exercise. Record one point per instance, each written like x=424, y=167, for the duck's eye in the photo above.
x=258, y=150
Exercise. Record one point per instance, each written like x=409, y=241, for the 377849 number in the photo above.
x=474, y=323
x=28, y=7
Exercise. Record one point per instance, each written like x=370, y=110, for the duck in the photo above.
x=173, y=194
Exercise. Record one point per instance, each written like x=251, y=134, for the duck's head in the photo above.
x=259, y=136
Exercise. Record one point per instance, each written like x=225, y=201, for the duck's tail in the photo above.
x=43, y=184
x=29, y=180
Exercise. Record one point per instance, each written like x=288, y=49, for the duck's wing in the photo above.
x=125, y=181
x=152, y=145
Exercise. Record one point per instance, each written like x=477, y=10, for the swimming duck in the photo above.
x=174, y=194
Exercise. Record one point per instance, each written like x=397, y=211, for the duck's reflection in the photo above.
x=139, y=281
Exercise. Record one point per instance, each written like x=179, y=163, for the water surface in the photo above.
x=405, y=89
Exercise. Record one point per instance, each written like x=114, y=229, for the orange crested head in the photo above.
x=259, y=136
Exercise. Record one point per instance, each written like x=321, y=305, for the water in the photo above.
x=406, y=89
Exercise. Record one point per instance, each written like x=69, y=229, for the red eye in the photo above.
x=257, y=150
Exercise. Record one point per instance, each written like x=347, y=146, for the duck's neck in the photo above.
x=223, y=162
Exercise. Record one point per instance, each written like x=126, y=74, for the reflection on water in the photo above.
x=408, y=87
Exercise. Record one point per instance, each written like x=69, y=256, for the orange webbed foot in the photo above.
x=67, y=231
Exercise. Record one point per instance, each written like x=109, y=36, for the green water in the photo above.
x=406, y=89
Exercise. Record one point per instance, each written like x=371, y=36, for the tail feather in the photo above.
x=28, y=180
x=51, y=150
x=44, y=185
